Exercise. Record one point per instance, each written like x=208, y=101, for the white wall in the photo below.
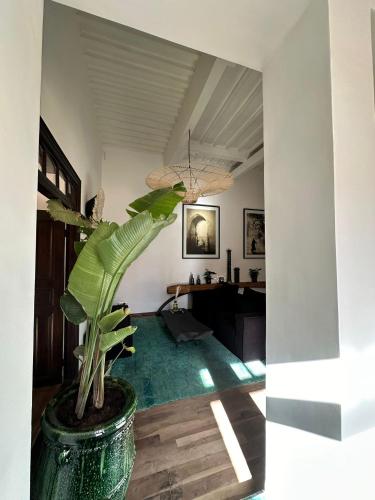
x=20, y=56
x=354, y=152
x=65, y=101
x=304, y=466
x=302, y=319
x=320, y=82
x=144, y=286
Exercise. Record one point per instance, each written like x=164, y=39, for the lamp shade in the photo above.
x=199, y=179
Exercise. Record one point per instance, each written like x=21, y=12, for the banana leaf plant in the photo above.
x=104, y=255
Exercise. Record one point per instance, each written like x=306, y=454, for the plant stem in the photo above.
x=93, y=359
x=96, y=382
x=112, y=362
x=85, y=385
x=99, y=375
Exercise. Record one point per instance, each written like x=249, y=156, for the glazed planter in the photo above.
x=87, y=465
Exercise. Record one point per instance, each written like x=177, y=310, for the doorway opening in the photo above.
x=54, y=338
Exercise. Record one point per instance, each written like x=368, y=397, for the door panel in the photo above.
x=49, y=286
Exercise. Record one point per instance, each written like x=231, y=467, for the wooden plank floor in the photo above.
x=181, y=454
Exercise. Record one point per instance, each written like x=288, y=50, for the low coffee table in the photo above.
x=184, y=327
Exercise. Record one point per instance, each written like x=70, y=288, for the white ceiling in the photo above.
x=137, y=83
x=147, y=93
x=242, y=31
x=231, y=123
x=246, y=32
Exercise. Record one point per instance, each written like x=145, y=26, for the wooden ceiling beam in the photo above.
x=217, y=152
x=254, y=161
x=207, y=75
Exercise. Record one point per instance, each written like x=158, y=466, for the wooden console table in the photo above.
x=187, y=288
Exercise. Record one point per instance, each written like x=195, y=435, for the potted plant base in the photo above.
x=84, y=459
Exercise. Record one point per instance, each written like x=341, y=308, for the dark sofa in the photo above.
x=238, y=321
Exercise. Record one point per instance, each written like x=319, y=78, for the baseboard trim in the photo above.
x=139, y=315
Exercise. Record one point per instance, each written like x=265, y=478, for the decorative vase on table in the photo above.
x=208, y=276
x=254, y=273
x=229, y=265
x=236, y=272
x=86, y=464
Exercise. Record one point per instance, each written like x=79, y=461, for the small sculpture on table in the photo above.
x=175, y=307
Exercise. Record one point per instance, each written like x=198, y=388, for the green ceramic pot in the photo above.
x=86, y=465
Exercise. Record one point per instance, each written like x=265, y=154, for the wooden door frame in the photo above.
x=48, y=145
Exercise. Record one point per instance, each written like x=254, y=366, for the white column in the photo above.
x=320, y=205
x=353, y=115
x=20, y=56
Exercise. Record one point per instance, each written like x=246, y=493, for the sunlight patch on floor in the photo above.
x=259, y=398
x=241, y=371
x=256, y=367
x=231, y=442
x=206, y=378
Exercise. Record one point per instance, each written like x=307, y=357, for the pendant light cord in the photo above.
x=190, y=176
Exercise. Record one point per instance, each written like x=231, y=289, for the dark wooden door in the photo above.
x=49, y=286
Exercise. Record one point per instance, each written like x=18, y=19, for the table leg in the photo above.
x=167, y=302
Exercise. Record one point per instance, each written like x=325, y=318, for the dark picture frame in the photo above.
x=253, y=233
x=200, y=231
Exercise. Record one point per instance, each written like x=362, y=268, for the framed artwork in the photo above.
x=253, y=234
x=200, y=232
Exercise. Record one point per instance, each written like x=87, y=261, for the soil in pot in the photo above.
x=114, y=402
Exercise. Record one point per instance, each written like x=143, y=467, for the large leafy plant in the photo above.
x=104, y=254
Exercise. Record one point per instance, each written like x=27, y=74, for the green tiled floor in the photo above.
x=161, y=372
x=257, y=496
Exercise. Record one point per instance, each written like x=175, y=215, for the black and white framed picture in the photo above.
x=253, y=233
x=200, y=232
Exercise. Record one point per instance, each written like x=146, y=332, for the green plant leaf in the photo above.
x=87, y=231
x=131, y=213
x=72, y=309
x=128, y=241
x=160, y=202
x=88, y=281
x=78, y=246
x=62, y=214
x=79, y=351
x=111, y=320
x=110, y=339
x=130, y=349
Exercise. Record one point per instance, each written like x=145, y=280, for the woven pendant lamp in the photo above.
x=199, y=179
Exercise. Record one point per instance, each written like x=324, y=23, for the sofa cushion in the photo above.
x=225, y=297
x=207, y=303
x=251, y=302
